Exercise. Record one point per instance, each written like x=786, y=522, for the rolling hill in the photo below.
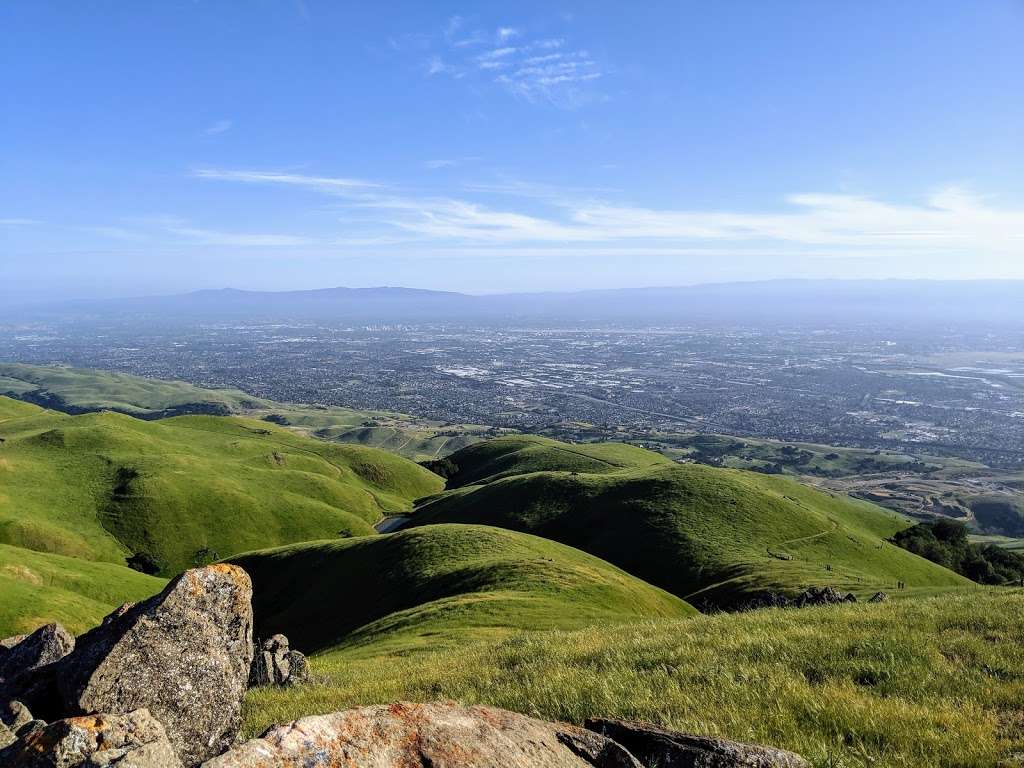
x=83, y=390
x=186, y=490
x=439, y=585
x=37, y=588
x=715, y=537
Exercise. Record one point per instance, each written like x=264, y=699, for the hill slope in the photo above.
x=714, y=537
x=80, y=390
x=185, y=490
x=37, y=588
x=931, y=682
x=439, y=585
x=520, y=454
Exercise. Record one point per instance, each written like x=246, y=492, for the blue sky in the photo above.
x=155, y=147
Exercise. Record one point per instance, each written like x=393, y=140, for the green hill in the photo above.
x=439, y=585
x=37, y=588
x=520, y=454
x=82, y=390
x=186, y=490
x=714, y=537
x=79, y=390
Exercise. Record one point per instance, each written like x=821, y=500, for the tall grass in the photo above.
x=932, y=682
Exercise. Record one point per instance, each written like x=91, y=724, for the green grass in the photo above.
x=714, y=537
x=934, y=682
x=89, y=390
x=37, y=588
x=102, y=485
x=79, y=390
x=520, y=454
x=437, y=586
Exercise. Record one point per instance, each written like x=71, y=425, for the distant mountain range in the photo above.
x=777, y=301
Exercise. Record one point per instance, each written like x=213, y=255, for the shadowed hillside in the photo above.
x=439, y=585
x=714, y=537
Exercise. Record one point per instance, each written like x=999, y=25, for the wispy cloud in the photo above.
x=436, y=66
x=244, y=239
x=450, y=162
x=19, y=222
x=219, y=127
x=950, y=219
x=117, y=233
x=272, y=177
x=542, y=70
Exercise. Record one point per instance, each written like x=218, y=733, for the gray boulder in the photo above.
x=437, y=734
x=879, y=597
x=298, y=668
x=276, y=663
x=133, y=740
x=6, y=736
x=652, y=745
x=15, y=714
x=46, y=645
x=184, y=655
x=823, y=596
x=271, y=664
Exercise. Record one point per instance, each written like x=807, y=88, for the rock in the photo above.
x=878, y=597
x=46, y=645
x=277, y=664
x=270, y=666
x=652, y=745
x=30, y=727
x=823, y=596
x=441, y=734
x=133, y=740
x=9, y=642
x=37, y=690
x=298, y=668
x=6, y=736
x=184, y=655
x=15, y=714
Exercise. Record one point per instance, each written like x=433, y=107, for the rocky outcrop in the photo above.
x=652, y=746
x=823, y=596
x=28, y=668
x=9, y=642
x=15, y=714
x=811, y=596
x=298, y=668
x=184, y=655
x=133, y=740
x=277, y=664
x=879, y=597
x=25, y=653
x=6, y=736
x=438, y=734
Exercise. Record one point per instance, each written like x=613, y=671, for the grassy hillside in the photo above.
x=185, y=490
x=520, y=454
x=934, y=682
x=712, y=536
x=80, y=390
x=37, y=588
x=439, y=585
